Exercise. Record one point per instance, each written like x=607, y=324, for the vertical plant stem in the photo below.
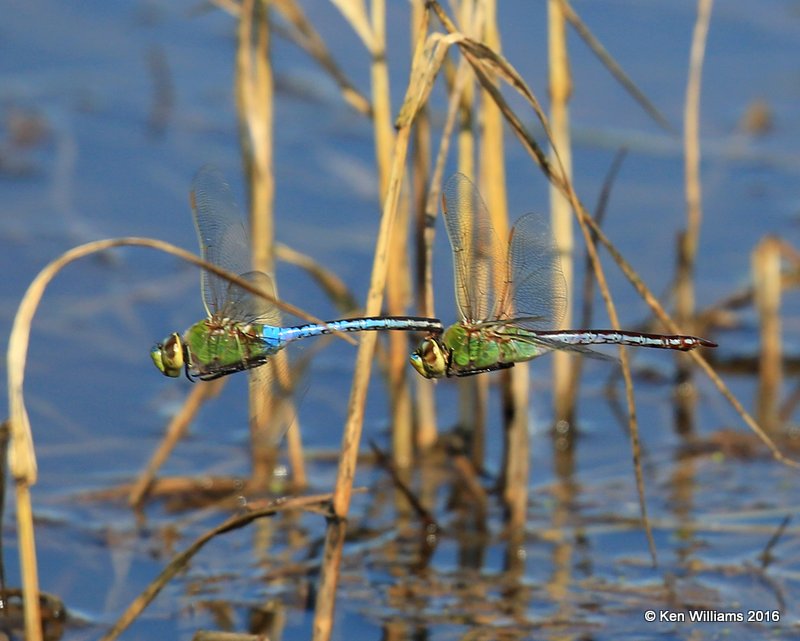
x=27, y=554
x=473, y=390
x=691, y=142
x=514, y=381
x=254, y=92
x=397, y=283
x=517, y=455
x=22, y=457
x=688, y=240
x=560, y=92
x=351, y=439
x=767, y=286
x=427, y=432
x=424, y=399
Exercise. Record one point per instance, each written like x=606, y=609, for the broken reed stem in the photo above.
x=766, y=265
x=477, y=54
x=560, y=85
x=336, y=290
x=181, y=560
x=22, y=458
x=472, y=51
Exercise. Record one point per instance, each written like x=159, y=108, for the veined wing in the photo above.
x=472, y=240
x=535, y=295
x=240, y=304
x=222, y=234
x=546, y=343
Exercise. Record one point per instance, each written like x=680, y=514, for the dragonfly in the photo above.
x=241, y=330
x=509, y=319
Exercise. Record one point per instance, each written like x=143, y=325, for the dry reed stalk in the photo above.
x=424, y=407
x=371, y=28
x=397, y=294
x=766, y=265
x=254, y=93
x=587, y=296
x=474, y=390
x=323, y=619
x=180, y=561
x=515, y=381
x=560, y=86
x=691, y=142
x=254, y=101
x=482, y=60
x=308, y=38
x=337, y=291
x=427, y=432
x=688, y=240
x=516, y=470
x=22, y=458
x=427, y=59
x=174, y=433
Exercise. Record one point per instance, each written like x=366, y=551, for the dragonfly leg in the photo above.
x=186, y=361
x=472, y=372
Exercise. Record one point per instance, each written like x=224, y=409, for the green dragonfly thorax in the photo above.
x=468, y=349
x=212, y=348
x=510, y=301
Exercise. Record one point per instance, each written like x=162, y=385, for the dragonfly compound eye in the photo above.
x=168, y=356
x=429, y=359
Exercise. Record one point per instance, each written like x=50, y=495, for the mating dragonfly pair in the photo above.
x=497, y=327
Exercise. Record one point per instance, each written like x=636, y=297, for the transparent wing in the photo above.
x=282, y=386
x=535, y=295
x=552, y=344
x=240, y=304
x=472, y=240
x=222, y=234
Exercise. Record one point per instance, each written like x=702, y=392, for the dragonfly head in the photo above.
x=430, y=358
x=169, y=356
